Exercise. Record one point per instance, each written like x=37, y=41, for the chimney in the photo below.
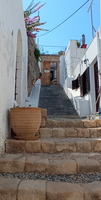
x=83, y=39
x=83, y=42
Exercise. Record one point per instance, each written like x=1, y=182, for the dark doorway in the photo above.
x=96, y=85
x=51, y=75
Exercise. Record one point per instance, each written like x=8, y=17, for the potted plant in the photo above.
x=25, y=122
x=78, y=44
x=84, y=46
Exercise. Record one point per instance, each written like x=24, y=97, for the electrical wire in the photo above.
x=65, y=19
x=51, y=46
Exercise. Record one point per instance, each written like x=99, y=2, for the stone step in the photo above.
x=58, y=117
x=54, y=145
x=13, y=188
x=55, y=100
x=70, y=132
x=74, y=163
x=59, y=111
x=66, y=123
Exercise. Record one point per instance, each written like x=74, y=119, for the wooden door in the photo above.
x=46, y=73
x=96, y=85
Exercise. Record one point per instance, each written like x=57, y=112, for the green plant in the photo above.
x=40, y=74
x=37, y=54
x=78, y=44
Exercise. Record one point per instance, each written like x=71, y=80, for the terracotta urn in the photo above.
x=25, y=122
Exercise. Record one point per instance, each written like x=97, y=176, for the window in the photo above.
x=76, y=83
x=84, y=83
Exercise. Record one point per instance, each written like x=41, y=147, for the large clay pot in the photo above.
x=25, y=122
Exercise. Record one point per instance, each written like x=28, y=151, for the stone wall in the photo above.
x=33, y=68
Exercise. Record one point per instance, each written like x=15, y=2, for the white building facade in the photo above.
x=13, y=62
x=84, y=71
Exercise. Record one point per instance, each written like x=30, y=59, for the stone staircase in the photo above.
x=55, y=100
x=63, y=164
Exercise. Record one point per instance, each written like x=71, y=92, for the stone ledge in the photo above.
x=8, y=188
x=87, y=165
x=90, y=123
x=43, y=117
x=11, y=188
x=15, y=146
x=12, y=163
x=64, y=191
x=54, y=145
x=35, y=164
x=44, y=112
x=92, y=190
x=50, y=164
x=63, y=123
x=45, y=133
x=30, y=189
x=70, y=132
x=66, y=123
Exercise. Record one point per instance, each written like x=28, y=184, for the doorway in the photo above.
x=53, y=72
x=96, y=85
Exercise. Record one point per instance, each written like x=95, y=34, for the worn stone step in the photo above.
x=55, y=100
x=54, y=145
x=63, y=116
x=74, y=163
x=66, y=123
x=12, y=189
x=70, y=132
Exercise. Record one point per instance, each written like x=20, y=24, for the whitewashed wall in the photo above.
x=62, y=69
x=93, y=54
x=13, y=53
x=72, y=56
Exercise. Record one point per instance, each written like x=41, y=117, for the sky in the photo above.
x=54, y=12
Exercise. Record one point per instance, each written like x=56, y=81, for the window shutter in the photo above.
x=84, y=83
x=87, y=80
x=81, y=86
